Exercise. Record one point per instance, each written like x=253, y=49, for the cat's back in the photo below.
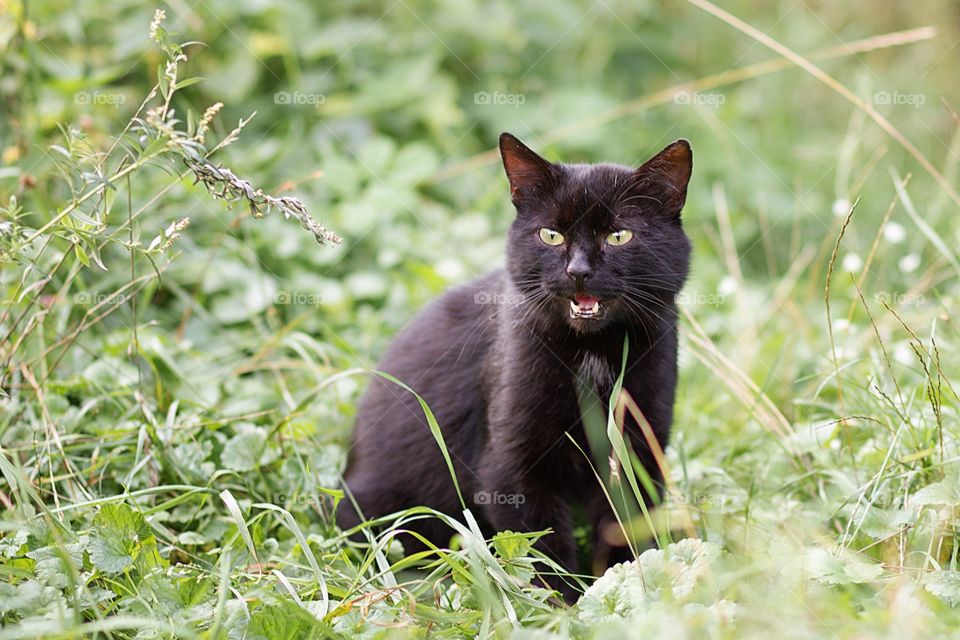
x=440, y=356
x=447, y=336
x=394, y=461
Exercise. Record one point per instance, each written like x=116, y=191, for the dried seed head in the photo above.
x=173, y=232
x=205, y=121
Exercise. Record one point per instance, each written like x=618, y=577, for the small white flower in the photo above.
x=728, y=286
x=894, y=233
x=904, y=354
x=909, y=263
x=852, y=263
x=158, y=17
x=450, y=269
x=841, y=207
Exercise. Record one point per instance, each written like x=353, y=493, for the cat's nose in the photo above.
x=578, y=267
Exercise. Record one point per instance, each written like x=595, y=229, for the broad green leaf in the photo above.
x=945, y=493
x=244, y=451
x=945, y=585
x=514, y=549
x=881, y=523
x=285, y=620
x=23, y=598
x=50, y=562
x=847, y=568
x=119, y=537
x=11, y=544
x=629, y=590
x=510, y=545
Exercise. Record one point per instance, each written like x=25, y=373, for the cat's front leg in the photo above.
x=511, y=505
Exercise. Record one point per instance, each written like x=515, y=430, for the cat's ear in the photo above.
x=665, y=176
x=527, y=172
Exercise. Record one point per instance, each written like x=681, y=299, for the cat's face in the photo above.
x=597, y=245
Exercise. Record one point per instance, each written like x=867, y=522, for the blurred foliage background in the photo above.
x=382, y=118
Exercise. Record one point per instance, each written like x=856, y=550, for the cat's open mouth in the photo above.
x=585, y=307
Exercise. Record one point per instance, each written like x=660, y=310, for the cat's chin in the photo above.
x=593, y=325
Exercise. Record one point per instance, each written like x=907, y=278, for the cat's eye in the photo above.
x=621, y=237
x=551, y=237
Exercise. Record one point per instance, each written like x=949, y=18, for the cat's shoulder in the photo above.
x=463, y=304
x=483, y=290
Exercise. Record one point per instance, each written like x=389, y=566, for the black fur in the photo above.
x=497, y=360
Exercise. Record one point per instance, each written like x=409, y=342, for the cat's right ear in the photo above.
x=528, y=173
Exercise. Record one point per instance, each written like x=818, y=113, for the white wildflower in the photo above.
x=158, y=17
x=894, y=233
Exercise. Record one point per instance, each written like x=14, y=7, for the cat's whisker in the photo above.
x=648, y=303
x=646, y=297
x=536, y=304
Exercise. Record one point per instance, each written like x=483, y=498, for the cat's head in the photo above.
x=598, y=244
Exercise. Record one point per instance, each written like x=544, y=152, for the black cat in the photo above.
x=596, y=252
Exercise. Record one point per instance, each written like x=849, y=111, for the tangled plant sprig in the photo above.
x=221, y=182
x=154, y=136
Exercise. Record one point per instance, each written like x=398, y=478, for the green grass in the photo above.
x=181, y=354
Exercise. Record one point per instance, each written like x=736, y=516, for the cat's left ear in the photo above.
x=528, y=173
x=665, y=176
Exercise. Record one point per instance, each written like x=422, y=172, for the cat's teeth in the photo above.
x=578, y=311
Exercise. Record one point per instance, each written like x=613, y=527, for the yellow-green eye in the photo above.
x=618, y=238
x=551, y=237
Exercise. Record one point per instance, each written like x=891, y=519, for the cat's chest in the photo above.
x=596, y=372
